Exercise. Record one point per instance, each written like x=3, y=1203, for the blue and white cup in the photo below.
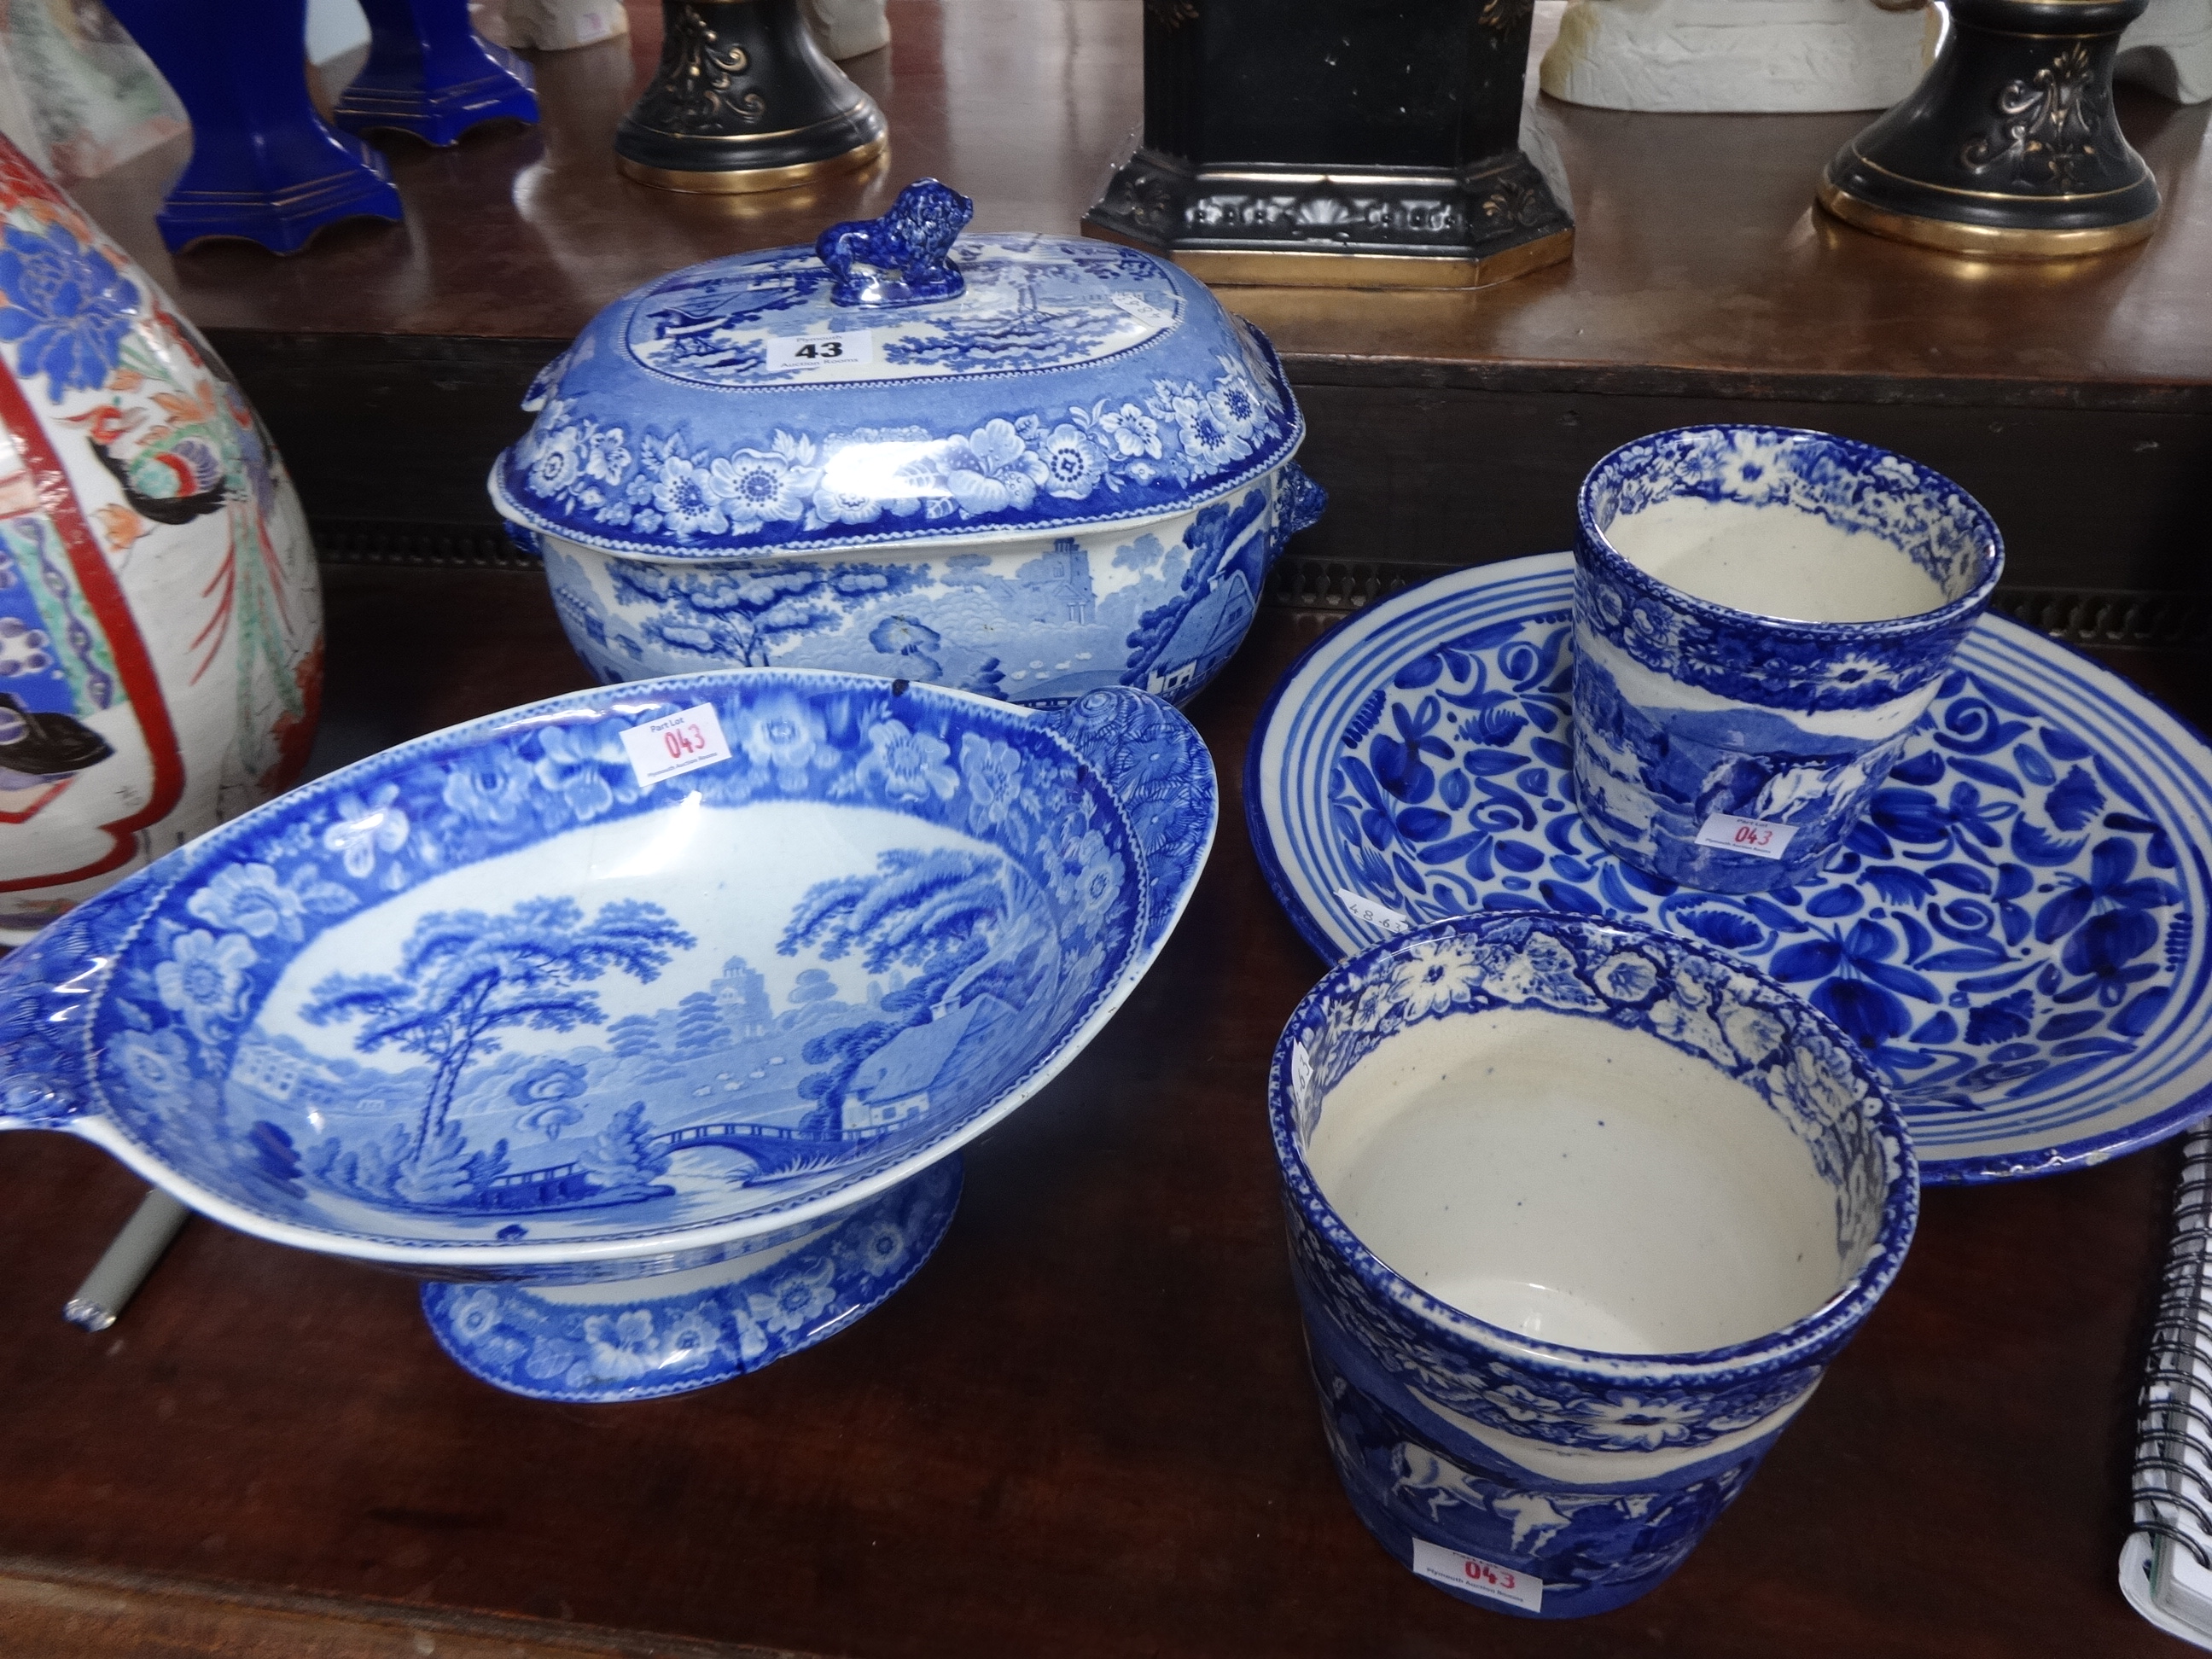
x=1579, y=1214
x=1761, y=614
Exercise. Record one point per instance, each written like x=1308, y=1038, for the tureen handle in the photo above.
x=903, y=258
x=1156, y=764
x=46, y=991
x=1299, y=505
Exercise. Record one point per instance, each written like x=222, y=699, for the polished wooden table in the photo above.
x=2074, y=398
x=1084, y=1429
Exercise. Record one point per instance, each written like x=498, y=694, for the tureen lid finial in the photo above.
x=903, y=258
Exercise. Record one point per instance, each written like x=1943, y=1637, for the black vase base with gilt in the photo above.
x=740, y=174
x=745, y=100
x=1283, y=226
x=2009, y=148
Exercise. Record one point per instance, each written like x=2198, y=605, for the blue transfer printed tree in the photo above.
x=464, y=975
x=699, y=1026
x=623, y=1159
x=632, y=1035
x=745, y=613
x=1213, y=531
x=935, y=913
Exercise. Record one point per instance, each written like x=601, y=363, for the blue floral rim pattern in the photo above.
x=2014, y=931
x=133, y=1048
x=1624, y=975
x=1592, y=1545
x=1851, y=485
x=983, y=423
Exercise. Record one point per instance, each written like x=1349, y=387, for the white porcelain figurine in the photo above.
x=846, y=29
x=560, y=25
x=1748, y=55
x=2169, y=50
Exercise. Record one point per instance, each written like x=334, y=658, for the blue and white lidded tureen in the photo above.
x=1024, y=466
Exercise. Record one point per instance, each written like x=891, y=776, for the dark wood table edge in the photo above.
x=48, y=1608
x=523, y=355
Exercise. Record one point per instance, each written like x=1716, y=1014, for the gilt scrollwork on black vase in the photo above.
x=742, y=92
x=704, y=82
x=1503, y=16
x=2045, y=137
x=1516, y=202
x=2010, y=146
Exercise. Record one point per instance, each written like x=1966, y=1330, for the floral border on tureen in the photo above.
x=646, y=491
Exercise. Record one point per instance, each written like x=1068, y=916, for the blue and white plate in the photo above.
x=2014, y=932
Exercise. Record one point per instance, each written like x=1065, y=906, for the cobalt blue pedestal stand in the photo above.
x=430, y=74
x=265, y=166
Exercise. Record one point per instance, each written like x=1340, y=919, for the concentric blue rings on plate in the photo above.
x=2016, y=932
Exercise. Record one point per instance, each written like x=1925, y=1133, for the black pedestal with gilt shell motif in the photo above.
x=743, y=100
x=1339, y=143
x=2009, y=147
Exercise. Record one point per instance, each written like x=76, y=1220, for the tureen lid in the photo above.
x=896, y=381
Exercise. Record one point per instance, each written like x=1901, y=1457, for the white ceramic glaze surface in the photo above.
x=1775, y=561
x=1737, y=55
x=1594, y=1187
x=2169, y=50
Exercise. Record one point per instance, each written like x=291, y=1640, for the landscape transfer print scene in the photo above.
x=1155, y=610
x=513, y=1044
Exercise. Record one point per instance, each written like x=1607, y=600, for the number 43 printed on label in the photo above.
x=822, y=353
x=676, y=744
x=1756, y=836
x=1477, y=1577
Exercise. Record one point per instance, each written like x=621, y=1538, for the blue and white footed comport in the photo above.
x=1024, y=465
x=651, y=1018
x=2016, y=931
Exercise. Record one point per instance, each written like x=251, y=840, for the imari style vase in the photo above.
x=160, y=619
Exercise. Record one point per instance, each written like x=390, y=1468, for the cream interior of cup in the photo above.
x=1582, y=1184
x=1777, y=561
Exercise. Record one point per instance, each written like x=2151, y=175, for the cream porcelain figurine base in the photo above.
x=847, y=28
x=1747, y=56
x=563, y=24
x=2169, y=50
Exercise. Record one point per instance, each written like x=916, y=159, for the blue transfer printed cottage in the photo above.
x=893, y=1083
